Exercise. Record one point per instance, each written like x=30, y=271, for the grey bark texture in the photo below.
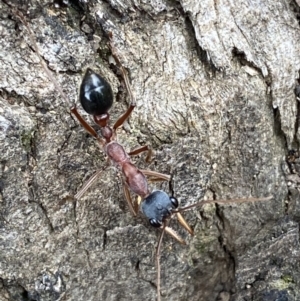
x=215, y=87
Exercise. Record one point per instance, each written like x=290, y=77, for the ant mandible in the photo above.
x=96, y=98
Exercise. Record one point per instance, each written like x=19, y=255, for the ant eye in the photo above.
x=155, y=223
x=174, y=201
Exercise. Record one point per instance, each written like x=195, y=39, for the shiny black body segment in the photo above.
x=95, y=94
x=158, y=206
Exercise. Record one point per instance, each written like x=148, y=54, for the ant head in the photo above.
x=95, y=93
x=158, y=206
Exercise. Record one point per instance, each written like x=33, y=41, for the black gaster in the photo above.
x=157, y=207
x=95, y=93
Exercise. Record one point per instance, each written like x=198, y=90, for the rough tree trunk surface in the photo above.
x=215, y=87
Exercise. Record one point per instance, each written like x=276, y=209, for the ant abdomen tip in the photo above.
x=89, y=70
x=95, y=95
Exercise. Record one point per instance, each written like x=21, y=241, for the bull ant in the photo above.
x=96, y=98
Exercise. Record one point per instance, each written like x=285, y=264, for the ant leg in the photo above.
x=157, y=175
x=141, y=149
x=157, y=256
x=89, y=183
x=122, y=118
x=85, y=125
x=123, y=70
x=133, y=209
x=158, y=249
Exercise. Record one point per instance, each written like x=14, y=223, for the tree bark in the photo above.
x=215, y=86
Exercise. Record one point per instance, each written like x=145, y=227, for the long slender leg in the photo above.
x=157, y=175
x=123, y=117
x=123, y=71
x=86, y=185
x=89, y=183
x=141, y=149
x=86, y=126
x=170, y=231
x=129, y=199
x=158, y=250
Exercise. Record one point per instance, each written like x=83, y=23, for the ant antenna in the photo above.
x=234, y=201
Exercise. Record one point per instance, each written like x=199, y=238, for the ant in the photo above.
x=96, y=98
x=158, y=207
